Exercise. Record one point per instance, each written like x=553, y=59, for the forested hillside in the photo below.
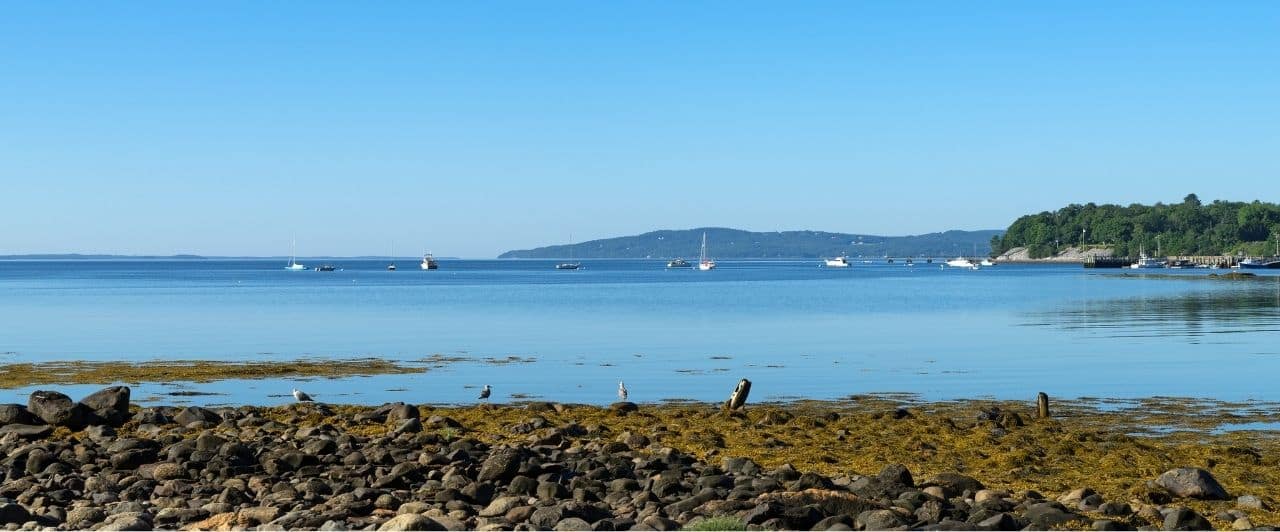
x=1186, y=228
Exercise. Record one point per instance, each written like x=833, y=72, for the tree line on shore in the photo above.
x=1186, y=228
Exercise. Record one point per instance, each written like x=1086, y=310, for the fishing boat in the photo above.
x=293, y=264
x=1145, y=262
x=1272, y=263
x=1260, y=263
x=326, y=268
x=704, y=263
x=428, y=262
x=679, y=263
x=838, y=262
x=569, y=265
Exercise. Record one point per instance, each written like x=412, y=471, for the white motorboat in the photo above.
x=428, y=262
x=838, y=262
x=960, y=262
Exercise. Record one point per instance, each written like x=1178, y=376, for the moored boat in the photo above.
x=428, y=262
x=679, y=263
x=293, y=265
x=705, y=263
x=838, y=262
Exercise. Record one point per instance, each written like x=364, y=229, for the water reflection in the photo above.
x=1194, y=315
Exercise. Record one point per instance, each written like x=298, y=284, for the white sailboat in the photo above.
x=569, y=265
x=705, y=263
x=293, y=264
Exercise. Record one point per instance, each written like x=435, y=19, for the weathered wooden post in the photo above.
x=739, y=396
x=1042, y=401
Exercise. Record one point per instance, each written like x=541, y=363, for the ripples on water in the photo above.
x=795, y=329
x=1248, y=307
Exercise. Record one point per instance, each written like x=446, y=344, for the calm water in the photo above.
x=794, y=329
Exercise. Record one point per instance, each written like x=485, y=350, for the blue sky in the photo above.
x=470, y=128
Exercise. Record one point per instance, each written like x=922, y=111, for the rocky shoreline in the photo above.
x=104, y=464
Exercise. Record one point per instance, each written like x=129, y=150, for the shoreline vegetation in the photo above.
x=873, y=462
x=1189, y=228
x=22, y=374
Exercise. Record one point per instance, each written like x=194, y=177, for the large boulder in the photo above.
x=502, y=464
x=54, y=408
x=1192, y=482
x=109, y=404
x=194, y=414
x=33, y=432
x=15, y=413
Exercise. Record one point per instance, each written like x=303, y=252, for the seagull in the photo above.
x=484, y=394
x=622, y=391
x=301, y=396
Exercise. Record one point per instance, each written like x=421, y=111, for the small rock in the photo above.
x=1192, y=482
x=411, y=522
x=1252, y=502
x=1185, y=519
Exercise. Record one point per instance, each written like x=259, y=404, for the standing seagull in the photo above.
x=484, y=394
x=622, y=391
x=301, y=396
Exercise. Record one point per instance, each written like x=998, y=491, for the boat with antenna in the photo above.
x=569, y=265
x=428, y=262
x=293, y=265
x=392, y=267
x=1261, y=263
x=705, y=263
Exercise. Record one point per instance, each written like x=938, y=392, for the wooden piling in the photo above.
x=1042, y=402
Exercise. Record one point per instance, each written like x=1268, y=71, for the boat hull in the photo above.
x=1271, y=265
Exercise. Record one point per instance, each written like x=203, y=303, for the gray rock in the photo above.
x=953, y=484
x=14, y=513
x=574, y=523
x=84, y=517
x=409, y=426
x=1051, y=515
x=1192, y=482
x=16, y=413
x=502, y=464
x=501, y=506
x=1252, y=502
x=879, y=520
x=27, y=431
x=1185, y=519
x=54, y=408
x=192, y=414
x=1108, y=524
x=110, y=404
x=411, y=522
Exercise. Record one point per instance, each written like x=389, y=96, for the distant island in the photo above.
x=726, y=243
x=82, y=256
x=1181, y=229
